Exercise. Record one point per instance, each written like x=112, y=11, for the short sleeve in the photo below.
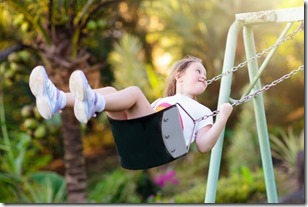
x=207, y=121
x=155, y=103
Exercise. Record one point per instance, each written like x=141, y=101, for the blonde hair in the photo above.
x=178, y=67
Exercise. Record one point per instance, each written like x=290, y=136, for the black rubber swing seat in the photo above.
x=149, y=141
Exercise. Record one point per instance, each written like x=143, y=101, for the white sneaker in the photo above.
x=85, y=97
x=49, y=99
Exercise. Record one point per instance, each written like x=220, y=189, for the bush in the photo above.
x=246, y=187
x=115, y=187
x=45, y=187
x=286, y=146
x=193, y=195
x=122, y=186
x=244, y=140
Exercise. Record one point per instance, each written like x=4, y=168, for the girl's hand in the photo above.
x=225, y=109
x=208, y=135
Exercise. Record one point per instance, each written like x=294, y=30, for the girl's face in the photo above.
x=192, y=81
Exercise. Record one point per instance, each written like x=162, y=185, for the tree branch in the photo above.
x=72, y=13
x=50, y=14
x=96, y=9
x=5, y=53
x=81, y=21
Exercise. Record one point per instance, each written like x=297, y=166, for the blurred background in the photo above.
x=134, y=42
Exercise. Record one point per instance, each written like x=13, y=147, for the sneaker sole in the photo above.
x=78, y=89
x=37, y=82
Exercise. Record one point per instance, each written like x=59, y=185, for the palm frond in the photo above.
x=127, y=62
x=286, y=146
x=21, y=7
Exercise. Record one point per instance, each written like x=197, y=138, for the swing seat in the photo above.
x=149, y=141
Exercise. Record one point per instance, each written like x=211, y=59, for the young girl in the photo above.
x=186, y=81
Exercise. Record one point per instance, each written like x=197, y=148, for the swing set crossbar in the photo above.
x=279, y=15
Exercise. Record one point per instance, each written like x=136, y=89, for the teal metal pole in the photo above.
x=224, y=95
x=260, y=119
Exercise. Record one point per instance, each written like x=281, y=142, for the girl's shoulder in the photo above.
x=164, y=102
x=154, y=103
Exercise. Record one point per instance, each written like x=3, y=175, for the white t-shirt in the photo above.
x=193, y=108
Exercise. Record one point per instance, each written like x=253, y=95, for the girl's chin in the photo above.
x=201, y=90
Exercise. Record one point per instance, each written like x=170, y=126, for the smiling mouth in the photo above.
x=202, y=81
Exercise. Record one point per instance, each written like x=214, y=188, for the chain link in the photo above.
x=257, y=92
x=266, y=87
x=243, y=64
x=259, y=55
x=214, y=113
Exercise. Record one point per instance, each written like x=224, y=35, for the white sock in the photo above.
x=100, y=102
x=62, y=99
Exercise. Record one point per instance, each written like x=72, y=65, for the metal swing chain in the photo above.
x=257, y=92
x=241, y=65
x=266, y=87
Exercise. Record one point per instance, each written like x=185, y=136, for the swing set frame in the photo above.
x=157, y=139
x=247, y=22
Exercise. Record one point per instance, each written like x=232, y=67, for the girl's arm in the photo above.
x=208, y=135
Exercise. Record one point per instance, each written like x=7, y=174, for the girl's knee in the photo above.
x=106, y=90
x=111, y=89
x=135, y=90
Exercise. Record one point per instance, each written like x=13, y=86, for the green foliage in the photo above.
x=244, y=142
x=156, y=82
x=192, y=195
x=14, y=155
x=122, y=186
x=116, y=187
x=190, y=171
x=40, y=187
x=44, y=133
x=246, y=187
x=17, y=166
x=286, y=146
x=19, y=148
x=15, y=68
x=37, y=127
x=45, y=187
x=127, y=60
x=243, y=187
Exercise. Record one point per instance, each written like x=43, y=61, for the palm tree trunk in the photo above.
x=75, y=172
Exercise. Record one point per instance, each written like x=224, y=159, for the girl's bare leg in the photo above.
x=124, y=104
x=70, y=101
x=131, y=100
x=87, y=102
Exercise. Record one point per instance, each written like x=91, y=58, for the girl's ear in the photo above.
x=178, y=76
